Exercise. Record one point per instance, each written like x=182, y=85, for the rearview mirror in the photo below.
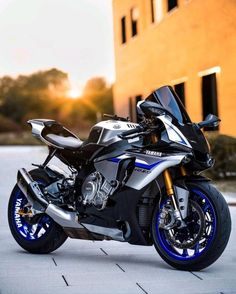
x=211, y=121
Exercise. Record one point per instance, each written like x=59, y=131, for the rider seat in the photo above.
x=70, y=142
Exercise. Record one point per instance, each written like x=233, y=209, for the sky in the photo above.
x=75, y=36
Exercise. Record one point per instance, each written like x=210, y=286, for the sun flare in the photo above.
x=74, y=93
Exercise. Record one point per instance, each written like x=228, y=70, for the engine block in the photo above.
x=95, y=190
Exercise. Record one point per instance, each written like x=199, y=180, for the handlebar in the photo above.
x=137, y=132
x=133, y=131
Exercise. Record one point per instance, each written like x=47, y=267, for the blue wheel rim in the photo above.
x=30, y=232
x=203, y=244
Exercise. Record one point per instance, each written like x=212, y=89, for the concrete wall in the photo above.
x=194, y=39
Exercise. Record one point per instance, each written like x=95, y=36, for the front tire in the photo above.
x=44, y=236
x=208, y=202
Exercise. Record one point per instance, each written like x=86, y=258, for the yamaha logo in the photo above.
x=153, y=153
x=116, y=126
x=17, y=216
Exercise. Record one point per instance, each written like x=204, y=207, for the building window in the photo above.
x=156, y=10
x=137, y=99
x=133, y=115
x=171, y=4
x=153, y=3
x=179, y=89
x=134, y=21
x=123, y=30
x=209, y=97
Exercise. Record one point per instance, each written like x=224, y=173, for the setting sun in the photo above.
x=74, y=93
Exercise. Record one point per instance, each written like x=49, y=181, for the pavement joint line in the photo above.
x=104, y=251
x=54, y=261
x=141, y=288
x=196, y=276
x=63, y=277
x=120, y=267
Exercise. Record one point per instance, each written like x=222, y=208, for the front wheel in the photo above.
x=42, y=235
x=206, y=235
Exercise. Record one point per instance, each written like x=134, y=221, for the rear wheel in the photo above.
x=206, y=235
x=40, y=235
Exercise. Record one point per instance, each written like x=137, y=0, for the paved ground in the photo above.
x=96, y=267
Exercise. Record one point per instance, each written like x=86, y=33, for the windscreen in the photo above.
x=166, y=97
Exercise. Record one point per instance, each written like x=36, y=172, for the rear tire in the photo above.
x=216, y=243
x=50, y=237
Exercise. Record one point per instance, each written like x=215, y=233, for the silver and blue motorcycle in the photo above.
x=139, y=183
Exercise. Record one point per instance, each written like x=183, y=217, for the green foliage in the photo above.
x=45, y=94
x=31, y=96
x=8, y=125
x=223, y=149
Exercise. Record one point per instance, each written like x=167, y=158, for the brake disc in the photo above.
x=190, y=235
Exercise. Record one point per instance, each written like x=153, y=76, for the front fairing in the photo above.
x=195, y=137
x=189, y=138
x=202, y=159
x=172, y=131
x=179, y=132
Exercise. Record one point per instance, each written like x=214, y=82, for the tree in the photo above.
x=94, y=86
x=44, y=94
x=98, y=96
x=32, y=96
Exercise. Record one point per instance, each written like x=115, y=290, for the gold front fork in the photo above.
x=183, y=171
x=170, y=192
x=169, y=187
x=168, y=182
x=154, y=138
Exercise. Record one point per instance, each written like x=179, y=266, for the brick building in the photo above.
x=189, y=44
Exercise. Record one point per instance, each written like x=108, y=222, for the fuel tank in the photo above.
x=106, y=132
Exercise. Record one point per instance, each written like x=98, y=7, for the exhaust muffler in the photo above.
x=31, y=190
